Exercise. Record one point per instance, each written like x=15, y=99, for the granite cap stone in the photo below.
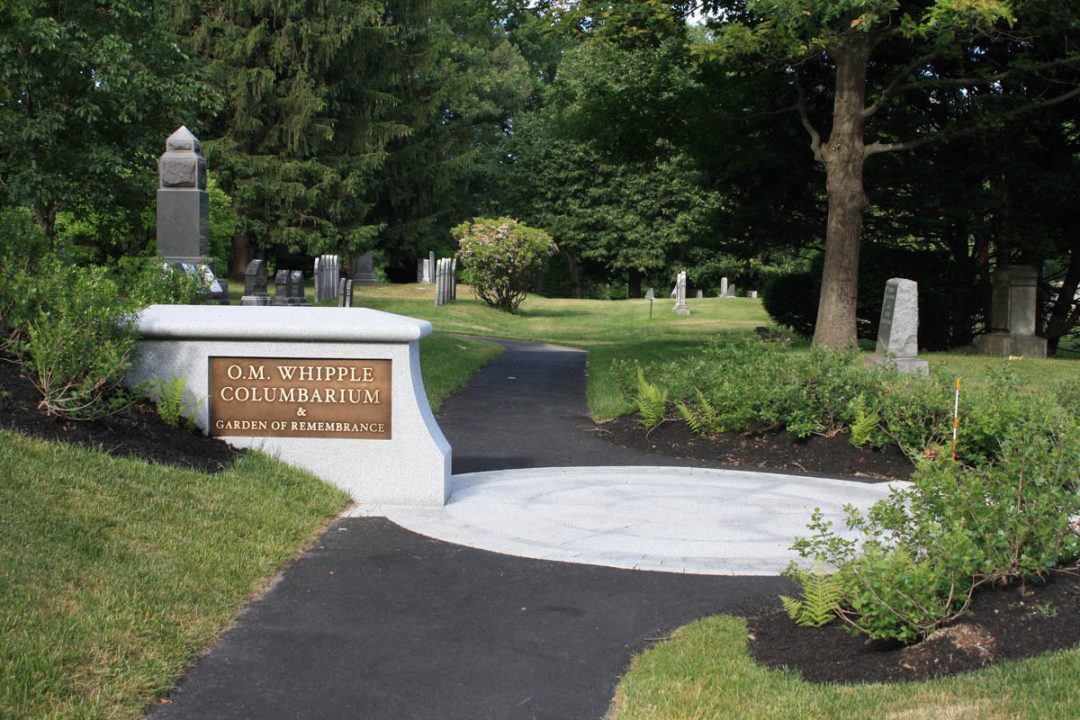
x=300, y=324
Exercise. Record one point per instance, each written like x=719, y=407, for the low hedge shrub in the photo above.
x=71, y=327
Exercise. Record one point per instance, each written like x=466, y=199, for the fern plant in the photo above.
x=170, y=402
x=864, y=425
x=651, y=401
x=702, y=418
x=821, y=594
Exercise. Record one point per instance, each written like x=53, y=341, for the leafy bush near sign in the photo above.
x=70, y=326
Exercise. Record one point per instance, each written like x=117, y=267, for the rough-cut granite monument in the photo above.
x=1013, y=314
x=898, y=330
x=255, y=284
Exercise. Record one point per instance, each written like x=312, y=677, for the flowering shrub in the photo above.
x=500, y=257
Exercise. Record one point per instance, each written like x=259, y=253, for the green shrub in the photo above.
x=915, y=412
x=500, y=258
x=792, y=300
x=22, y=250
x=79, y=344
x=927, y=547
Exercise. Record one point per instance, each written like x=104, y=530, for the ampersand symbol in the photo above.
x=301, y=412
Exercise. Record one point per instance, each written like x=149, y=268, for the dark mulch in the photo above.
x=834, y=456
x=1004, y=624
x=134, y=432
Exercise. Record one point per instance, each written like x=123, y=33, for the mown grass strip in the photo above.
x=117, y=572
x=704, y=671
x=622, y=330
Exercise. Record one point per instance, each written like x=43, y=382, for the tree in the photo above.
x=943, y=44
x=88, y=93
x=469, y=85
x=311, y=106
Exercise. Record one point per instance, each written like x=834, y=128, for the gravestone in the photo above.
x=730, y=290
x=183, y=210
x=327, y=272
x=700, y=294
x=296, y=288
x=650, y=294
x=183, y=205
x=1013, y=314
x=364, y=269
x=282, y=291
x=680, y=295
x=420, y=271
x=723, y=287
x=255, y=281
x=345, y=292
x=898, y=329
x=445, y=285
x=752, y=294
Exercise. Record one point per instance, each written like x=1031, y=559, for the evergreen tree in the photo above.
x=310, y=110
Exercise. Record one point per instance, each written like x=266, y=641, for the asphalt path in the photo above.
x=379, y=623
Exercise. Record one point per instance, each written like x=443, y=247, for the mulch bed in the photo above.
x=1004, y=624
x=832, y=456
x=136, y=431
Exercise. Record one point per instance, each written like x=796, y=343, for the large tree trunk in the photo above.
x=633, y=283
x=575, y=275
x=1065, y=312
x=241, y=256
x=844, y=156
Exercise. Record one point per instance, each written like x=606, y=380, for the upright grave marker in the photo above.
x=183, y=210
x=255, y=282
x=364, y=269
x=680, y=295
x=337, y=391
x=1013, y=314
x=898, y=329
x=327, y=271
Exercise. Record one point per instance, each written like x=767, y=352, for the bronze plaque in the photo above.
x=300, y=397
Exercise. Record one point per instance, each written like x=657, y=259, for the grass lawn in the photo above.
x=116, y=573
x=612, y=330
x=705, y=672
